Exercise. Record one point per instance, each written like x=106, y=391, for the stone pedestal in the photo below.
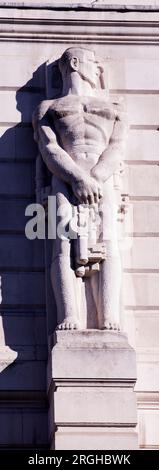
x=92, y=375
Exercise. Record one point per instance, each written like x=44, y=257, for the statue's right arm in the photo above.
x=56, y=158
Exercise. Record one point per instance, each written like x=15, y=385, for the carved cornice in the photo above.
x=148, y=400
x=74, y=27
x=94, y=5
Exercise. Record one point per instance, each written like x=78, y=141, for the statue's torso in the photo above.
x=83, y=126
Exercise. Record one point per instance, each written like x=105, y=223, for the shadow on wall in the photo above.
x=23, y=294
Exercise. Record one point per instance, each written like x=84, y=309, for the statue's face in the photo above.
x=88, y=68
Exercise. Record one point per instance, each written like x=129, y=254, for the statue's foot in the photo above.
x=110, y=326
x=68, y=324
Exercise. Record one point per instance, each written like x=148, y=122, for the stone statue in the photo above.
x=81, y=137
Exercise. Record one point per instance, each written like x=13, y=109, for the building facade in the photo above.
x=127, y=37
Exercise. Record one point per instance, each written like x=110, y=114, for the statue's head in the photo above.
x=82, y=61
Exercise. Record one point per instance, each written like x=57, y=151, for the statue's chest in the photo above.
x=71, y=112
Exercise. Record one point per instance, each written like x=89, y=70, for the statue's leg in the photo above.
x=62, y=274
x=110, y=273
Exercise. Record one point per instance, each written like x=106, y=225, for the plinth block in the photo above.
x=91, y=377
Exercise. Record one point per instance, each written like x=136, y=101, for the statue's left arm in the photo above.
x=111, y=157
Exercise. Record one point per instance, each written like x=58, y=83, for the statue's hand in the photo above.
x=87, y=190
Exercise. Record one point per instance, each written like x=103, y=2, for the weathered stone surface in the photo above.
x=146, y=219
x=143, y=145
x=141, y=290
x=96, y=391
x=133, y=69
x=94, y=349
x=95, y=438
x=143, y=109
x=148, y=420
x=108, y=406
x=58, y=3
x=142, y=181
x=143, y=254
x=85, y=170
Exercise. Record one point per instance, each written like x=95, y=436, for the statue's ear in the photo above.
x=74, y=62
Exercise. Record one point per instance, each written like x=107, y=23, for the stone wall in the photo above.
x=27, y=39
